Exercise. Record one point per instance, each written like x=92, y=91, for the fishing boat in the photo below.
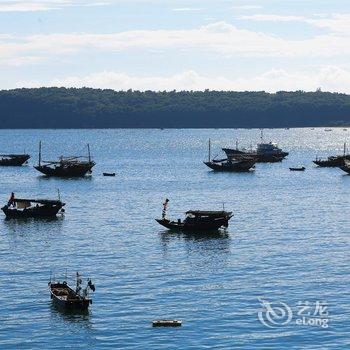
x=196, y=220
x=230, y=164
x=297, y=169
x=13, y=159
x=67, y=298
x=345, y=166
x=333, y=161
x=108, y=174
x=199, y=220
x=32, y=208
x=66, y=166
x=264, y=153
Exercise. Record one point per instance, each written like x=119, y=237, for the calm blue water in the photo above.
x=288, y=242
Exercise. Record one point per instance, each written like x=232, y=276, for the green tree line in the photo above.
x=95, y=108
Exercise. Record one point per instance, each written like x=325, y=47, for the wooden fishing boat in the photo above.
x=32, y=208
x=229, y=164
x=333, y=161
x=66, y=166
x=298, y=169
x=67, y=298
x=13, y=159
x=199, y=220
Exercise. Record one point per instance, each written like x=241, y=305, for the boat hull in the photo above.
x=202, y=227
x=66, y=298
x=259, y=157
x=76, y=171
x=16, y=160
x=41, y=212
x=345, y=168
x=242, y=166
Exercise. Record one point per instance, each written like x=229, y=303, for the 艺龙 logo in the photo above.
x=274, y=314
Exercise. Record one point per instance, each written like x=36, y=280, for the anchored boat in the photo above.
x=230, y=164
x=67, y=298
x=264, y=153
x=66, y=166
x=32, y=208
x=13, y=159
x=333, y=161
x=196, y=220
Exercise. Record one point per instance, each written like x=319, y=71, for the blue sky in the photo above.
x=266, y=45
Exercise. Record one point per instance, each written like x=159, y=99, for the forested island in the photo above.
x=94, y=108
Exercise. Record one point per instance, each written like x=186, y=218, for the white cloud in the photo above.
x=246, y=7
x=22, y=61
x=185, y=9
x=220, y=38
x=329, y=78
x=272, y=18
x=335, y=22
x=43, y=5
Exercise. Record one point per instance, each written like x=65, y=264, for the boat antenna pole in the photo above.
x=261, y=135
x=39, y=153
x=344, y=148
x=59, y=194
x=88, y=147
x=236, y=144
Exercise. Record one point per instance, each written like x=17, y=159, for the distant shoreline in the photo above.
x=61, y=108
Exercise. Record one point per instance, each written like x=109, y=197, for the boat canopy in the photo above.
x=41, y=201
x=208, y=213
x=13, y=155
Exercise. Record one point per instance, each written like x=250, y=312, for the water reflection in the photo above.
x=213, y=242
x=55, y=178
x=82, y=318
x=23, y=226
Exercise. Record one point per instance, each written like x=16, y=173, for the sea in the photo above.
x=277, y=278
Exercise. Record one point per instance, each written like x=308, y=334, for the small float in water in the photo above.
x=166, y=323
x=197, y=220
x=32, y=208
x=67, y=298
x=302, y=168
x=108, y=174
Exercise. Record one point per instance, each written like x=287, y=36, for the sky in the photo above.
x=241, y=45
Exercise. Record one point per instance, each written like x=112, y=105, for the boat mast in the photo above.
x=88, y=147
x=237, y=145
x=209, y=151
x=261, y=135
x=344, y=148
x=39, y=153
